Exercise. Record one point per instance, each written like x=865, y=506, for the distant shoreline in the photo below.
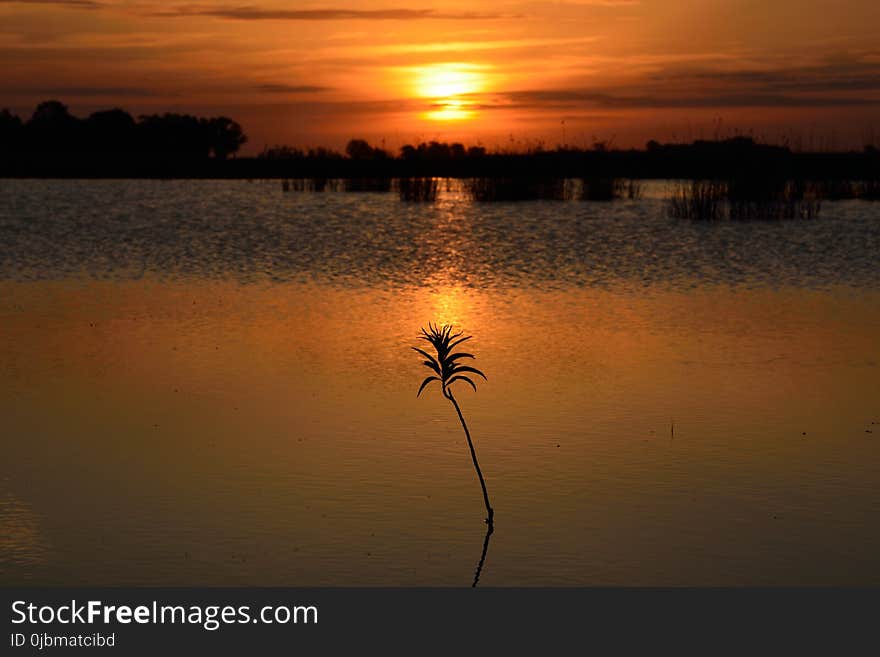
x=699, y=160
x=113, y=144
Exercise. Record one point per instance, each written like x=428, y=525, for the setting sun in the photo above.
x=449, y=86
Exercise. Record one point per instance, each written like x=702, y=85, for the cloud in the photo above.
x=290, y=88
x=812, y=79
x=470, y=46
x=74, y=4
x=567, y=99
x=48, y=60
x=843, y=79
x=581, y=4
x=834, y=81
x=83, y=91
x=255, y=13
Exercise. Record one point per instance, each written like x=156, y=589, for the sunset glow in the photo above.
x=450, y=110
x=448, y=81
x=628, y=70
x=450, y=88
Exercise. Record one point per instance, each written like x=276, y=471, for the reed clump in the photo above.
x=767, y=198
x=304, y=184
x=367, y=184
x=744, y=198
x=838, y=190
x=418, y=190
x=596, y=188
x=697, y=199
x=869, y=190
x=845, y=190
x=630, y=189
x=493, y=190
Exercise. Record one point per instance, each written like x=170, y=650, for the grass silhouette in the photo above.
x=697, y=199
x=745, y=196
x=447, y=370
x=418, y=190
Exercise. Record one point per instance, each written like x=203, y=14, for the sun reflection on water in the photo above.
x=450, y=305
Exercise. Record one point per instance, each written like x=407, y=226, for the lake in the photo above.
x=211, y=383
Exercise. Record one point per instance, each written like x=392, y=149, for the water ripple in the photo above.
x=252, y=232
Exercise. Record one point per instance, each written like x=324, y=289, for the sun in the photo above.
x=448, y=80
x=450, y=87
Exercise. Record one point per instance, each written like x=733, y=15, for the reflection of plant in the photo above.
x=447, y=370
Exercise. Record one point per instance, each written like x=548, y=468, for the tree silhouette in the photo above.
x=111, y=131
x=11, y=129
x=448, y=371
x=60, y=138
x=51, y=112
x=53, y=128
x=225, y=136
x=360, y=149
x=434, y=151
x=179, y=134
x=190, y=136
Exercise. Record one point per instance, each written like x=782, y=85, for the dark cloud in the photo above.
x=50, y=58
x=321, y=109
x=567, y=98
x=290, y=88
x=836, y=73
x=76, y=4
x=804, y=80
x=839, y=81
x=255, y=13
x=83, y=91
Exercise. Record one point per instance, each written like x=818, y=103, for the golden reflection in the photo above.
x=449, y=305
x=582, y=385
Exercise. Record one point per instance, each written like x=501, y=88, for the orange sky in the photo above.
x=498, y=72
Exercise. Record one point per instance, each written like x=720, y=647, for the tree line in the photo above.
x=112, y=143
x=52, y=131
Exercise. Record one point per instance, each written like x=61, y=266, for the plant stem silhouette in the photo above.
x=447, y=371
x=467, y=434
x=479, y=569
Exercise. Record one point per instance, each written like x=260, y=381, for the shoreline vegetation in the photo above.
x=735, y=177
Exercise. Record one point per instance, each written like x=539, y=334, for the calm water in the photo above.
x=210, y=383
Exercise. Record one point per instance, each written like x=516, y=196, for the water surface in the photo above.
x=210, y=383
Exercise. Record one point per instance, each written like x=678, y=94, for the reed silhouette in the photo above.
x=418, y=190
x=697, y=199
x=744, y=197
x=519, y=188
x=447, y=371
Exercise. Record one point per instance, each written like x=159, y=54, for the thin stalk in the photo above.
x=489, y=520
x=479, y=569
